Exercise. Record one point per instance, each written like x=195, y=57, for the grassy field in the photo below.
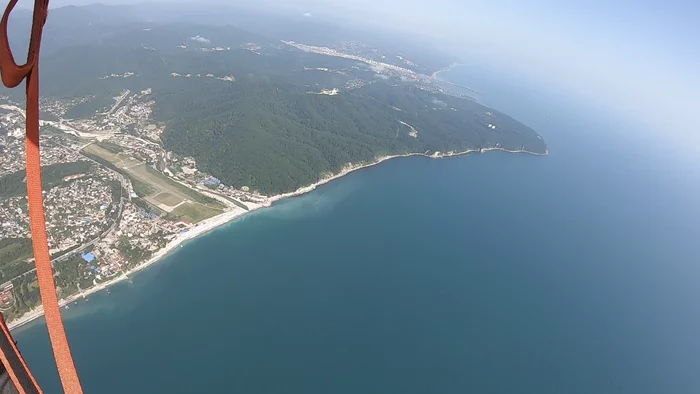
x=179, y=189
x=192, y=213
x=156, y=188
x=113, y=148
x=141, y=188
x=168, y=199
x=118, y=160
x=14, y=249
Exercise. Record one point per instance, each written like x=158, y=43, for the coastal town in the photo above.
x=384, y=67
x=114, y=199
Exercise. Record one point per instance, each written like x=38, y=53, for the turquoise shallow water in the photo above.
x=494, y=273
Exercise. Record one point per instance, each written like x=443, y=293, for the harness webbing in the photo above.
x=13, y=75
x=14, y=364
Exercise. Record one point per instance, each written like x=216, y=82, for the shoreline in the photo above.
x=446, y=69
x=210, y=224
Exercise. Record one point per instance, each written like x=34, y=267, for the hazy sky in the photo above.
x=638, y=57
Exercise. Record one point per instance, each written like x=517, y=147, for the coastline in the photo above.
x=210, y=224
x=446, y=69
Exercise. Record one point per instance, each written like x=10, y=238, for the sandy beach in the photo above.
x=197, y=230
x=226, y=217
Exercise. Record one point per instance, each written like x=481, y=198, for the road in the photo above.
x=84, y=246
x=124, y=182
x=120, y=99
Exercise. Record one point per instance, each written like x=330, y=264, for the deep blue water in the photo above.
x=495, y=273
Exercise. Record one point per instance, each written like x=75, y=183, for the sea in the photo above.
x=576, y=272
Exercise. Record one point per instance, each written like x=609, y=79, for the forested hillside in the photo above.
x=279, y=138
x=255, y=112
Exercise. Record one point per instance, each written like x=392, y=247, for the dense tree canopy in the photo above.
x=267, y=127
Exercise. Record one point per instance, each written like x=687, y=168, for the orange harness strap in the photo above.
x=14, y=364
x=13, y=75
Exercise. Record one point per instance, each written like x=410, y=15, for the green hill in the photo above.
x=270, y=129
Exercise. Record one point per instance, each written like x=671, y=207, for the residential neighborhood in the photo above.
x=113, y=196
